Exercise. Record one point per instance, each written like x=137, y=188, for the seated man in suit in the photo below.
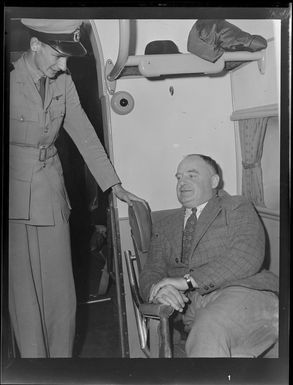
x=205, y=260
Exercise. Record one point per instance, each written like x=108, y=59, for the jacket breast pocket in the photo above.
x=20, y=121
x=57, y=108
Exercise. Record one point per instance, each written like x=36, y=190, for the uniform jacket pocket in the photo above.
x=19, y=199
x=58, y=182
x=20, y=179
x=20, y=121
x=57, y=107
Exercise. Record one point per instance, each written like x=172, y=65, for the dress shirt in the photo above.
x=188, y=212
x=35, y=75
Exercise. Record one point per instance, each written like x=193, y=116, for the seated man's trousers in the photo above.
x=231, y=322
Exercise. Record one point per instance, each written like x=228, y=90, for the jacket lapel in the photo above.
x=49, y=92
x=175, y=231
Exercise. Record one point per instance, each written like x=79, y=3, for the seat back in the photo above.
x=152, y=319
x=140, y=221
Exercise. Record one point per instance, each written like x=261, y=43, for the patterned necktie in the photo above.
x=188, y=235
x=42, y=88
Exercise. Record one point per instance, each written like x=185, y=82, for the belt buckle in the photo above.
x=43, y=154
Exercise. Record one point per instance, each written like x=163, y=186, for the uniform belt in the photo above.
x=42, y=152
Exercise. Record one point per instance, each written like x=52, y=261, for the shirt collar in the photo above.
x=36, y=76
x=198, y=210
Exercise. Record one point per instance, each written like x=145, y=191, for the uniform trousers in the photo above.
x=231, y=322
x=42, y=300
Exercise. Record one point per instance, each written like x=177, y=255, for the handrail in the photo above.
x=124, y=38
x=187, y=63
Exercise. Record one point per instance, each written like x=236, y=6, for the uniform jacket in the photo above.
x=228, y=248
x=37, y=191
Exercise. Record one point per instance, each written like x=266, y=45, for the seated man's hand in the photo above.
x=169, y=295
x=178, y=283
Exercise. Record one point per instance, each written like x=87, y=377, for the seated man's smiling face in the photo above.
x=195, y=181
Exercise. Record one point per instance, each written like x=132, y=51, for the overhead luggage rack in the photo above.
x=154, y=66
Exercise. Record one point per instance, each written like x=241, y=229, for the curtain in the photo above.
x=252, y=133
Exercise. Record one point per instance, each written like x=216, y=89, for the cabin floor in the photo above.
x=97, y=329
x=97, y=323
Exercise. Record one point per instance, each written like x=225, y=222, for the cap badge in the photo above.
x=76, y=35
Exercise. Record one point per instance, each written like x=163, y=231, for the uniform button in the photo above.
x=212, y=285
x=206, y=287
x=22, y=118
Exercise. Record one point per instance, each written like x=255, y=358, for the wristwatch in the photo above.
x=187, y=277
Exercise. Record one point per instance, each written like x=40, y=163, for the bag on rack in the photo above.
x=209, y=39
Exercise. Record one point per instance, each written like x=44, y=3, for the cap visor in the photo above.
x=69, y=48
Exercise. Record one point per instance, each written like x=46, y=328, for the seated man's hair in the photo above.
x=210, y=161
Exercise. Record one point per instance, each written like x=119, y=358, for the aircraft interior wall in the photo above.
x=179, y=115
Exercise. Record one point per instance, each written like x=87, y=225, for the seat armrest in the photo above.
x=157, y=310
x=159, y=313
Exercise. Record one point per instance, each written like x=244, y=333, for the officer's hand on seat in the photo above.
x=168, y=295
x=125, y=195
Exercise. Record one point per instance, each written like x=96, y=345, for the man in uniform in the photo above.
x=43, y=97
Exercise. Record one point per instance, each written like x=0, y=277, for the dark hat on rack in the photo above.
x=161, y=47
x=61, y=35
x=209, y=39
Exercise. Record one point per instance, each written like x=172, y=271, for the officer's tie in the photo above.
x=188, y=235
x=42, y=88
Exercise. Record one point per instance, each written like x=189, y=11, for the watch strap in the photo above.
x=188, y=281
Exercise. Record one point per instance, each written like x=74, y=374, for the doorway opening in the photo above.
x=97, y=319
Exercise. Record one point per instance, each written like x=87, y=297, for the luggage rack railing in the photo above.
x=170, y=64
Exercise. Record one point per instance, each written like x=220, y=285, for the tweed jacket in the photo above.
x=36, y=188
x=228, y=248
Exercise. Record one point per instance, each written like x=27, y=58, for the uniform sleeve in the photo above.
x=78, y=126
x=155, y=268
x=244, y=252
